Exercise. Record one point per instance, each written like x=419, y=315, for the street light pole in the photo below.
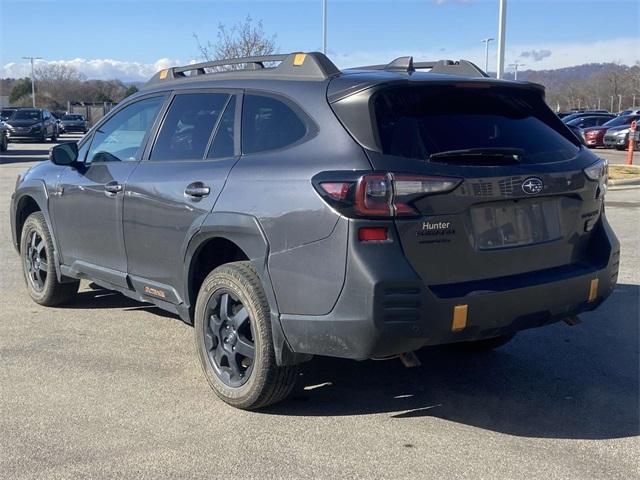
x=619, y=102
x=324, y=26
x=502, y=25
x=515, y=65
x=33, y=80
x=486, y=52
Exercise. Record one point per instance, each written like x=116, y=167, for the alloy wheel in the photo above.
x=229, y=338
x=36, y=261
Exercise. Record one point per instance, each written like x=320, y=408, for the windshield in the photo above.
x=26, y=115
x=622, y=120
x=417, y=122
x=72, y=117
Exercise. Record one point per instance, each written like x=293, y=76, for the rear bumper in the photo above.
x=74, y=128
x=385, y=308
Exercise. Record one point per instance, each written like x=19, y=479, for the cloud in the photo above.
x=536, y=55
x=99, y=69
x=624, y=50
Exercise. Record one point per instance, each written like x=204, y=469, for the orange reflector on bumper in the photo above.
x=299, y=59
x=593, y=290
x=459, y=317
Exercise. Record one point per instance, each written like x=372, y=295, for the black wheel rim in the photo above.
x=229, y=339
x=36, y=261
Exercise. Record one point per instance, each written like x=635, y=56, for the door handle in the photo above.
x=197, y=190
x=113, y=187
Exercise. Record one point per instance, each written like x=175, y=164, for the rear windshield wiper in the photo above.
x=499, y=154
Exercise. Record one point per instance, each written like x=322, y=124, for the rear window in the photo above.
x=416, y=122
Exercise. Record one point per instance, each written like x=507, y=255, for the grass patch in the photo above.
x=622, y=172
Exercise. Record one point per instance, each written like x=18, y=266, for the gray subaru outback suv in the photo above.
x=288, y=209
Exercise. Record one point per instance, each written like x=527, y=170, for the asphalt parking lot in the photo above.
x=109, y=388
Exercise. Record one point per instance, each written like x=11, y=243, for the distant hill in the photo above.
x=591, y=85
x=559, y=77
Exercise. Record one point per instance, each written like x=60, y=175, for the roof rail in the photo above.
x=299, y=65
x=406, y=64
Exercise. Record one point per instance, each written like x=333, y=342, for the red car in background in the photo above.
x=594, y=136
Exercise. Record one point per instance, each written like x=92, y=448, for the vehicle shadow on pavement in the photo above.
x=556, y=382
x=99, y=298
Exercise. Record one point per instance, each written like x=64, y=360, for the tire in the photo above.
x=54, y=136
x=249, y=383
x=484, y=345
x=4, y=143
x=40, y=276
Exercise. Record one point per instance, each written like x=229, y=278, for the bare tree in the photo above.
x=244, y=39
x=57, y=72
x=58, y=83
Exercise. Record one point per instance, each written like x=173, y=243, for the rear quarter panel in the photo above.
x=307, y=246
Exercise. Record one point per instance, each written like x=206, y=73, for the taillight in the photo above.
x=336, y=190
x=380, y=194
x=373, y=196
x=408, y=188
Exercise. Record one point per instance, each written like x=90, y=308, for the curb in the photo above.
x=625, y=182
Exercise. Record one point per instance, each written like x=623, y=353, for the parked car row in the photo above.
x=36, y=124
x=602, y=129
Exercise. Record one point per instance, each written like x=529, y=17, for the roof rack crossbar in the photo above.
x=309, y=66
x=463, y=68
x=255, y=62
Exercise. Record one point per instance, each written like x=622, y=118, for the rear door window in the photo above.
x=416, y=122
x=269, y=124
x=188, y=125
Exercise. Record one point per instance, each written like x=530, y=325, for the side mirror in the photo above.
x=64, y=154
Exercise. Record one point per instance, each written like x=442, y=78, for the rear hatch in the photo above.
x=523, y=203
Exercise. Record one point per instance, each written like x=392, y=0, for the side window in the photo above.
x=121, y=137
x=223, y=143
x=187, y=127
x=268, y=124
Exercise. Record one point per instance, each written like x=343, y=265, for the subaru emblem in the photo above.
x=532, y=185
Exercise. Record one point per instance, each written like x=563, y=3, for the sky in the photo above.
x=131, y=40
